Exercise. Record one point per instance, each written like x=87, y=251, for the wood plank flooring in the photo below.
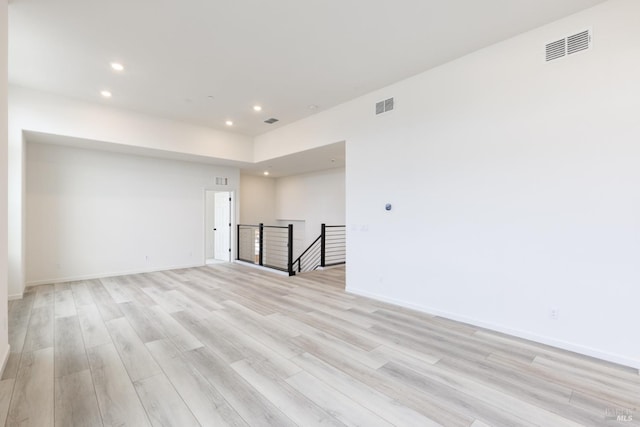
x=231, y=345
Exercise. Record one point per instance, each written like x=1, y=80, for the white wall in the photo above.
x=514, y=185
x=4, y=340
x=314, y=198
x=305, y=200
x=92, y=213
x=44, y=112
x=35, y=111
x=257, y=200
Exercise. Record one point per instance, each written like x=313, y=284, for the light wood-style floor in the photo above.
x=231, y=345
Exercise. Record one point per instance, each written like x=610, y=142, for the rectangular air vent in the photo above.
x=222, y=181
x=271, y=121
x=578, y=42
x=568, y=46
x=388, y=104
x=384, y=106
x=556, y=50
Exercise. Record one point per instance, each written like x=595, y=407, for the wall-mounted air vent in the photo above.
x=556, y=50
x=271, y=121
x=384, y=106
x=568, y=46
x=222, y=181
x=578, y=42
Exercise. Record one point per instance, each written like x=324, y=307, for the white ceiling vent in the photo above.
x=384, y=106
x=568, y=45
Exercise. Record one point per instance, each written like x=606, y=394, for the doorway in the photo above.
x=217, y=226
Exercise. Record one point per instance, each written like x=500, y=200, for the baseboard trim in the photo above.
x=329, y=267
x=102, y=275
x=261, y=267
x=15, y=297
x=5, y=359
x=564, y=345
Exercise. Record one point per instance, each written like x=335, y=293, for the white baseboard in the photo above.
x=329, y=267
x=260, y=267
x=15, y=297
x=576, y=348
x=102, y=275
x=5, y=358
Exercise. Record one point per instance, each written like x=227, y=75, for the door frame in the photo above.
x=232, y=219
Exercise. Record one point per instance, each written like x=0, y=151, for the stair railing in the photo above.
x=266, y=245
x=272, y=246
x=334, y=245
x=310, y=258
x=329, y=249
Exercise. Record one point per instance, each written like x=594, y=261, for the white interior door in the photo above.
x=222, y=226
x=210, y=209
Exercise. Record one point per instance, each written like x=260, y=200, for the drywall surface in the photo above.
x=97, y=125
x=93, y=214
x=305, y=201
x=4, y=253
x=43, y=112
x=513, y=183
x=314, y=198
x=258, y=200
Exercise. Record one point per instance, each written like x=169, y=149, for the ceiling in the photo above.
x=209, y=61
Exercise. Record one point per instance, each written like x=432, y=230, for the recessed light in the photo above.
x=105, y=93
x=228, y=123
x=313, y=107
x=117, y=66
x=257, y=108
x=266, y=173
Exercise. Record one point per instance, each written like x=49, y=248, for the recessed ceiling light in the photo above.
x=257, y=108
x=313, y=107
x=105, y=93
x=117, y=66
x=266, y=173
x=228, y=123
